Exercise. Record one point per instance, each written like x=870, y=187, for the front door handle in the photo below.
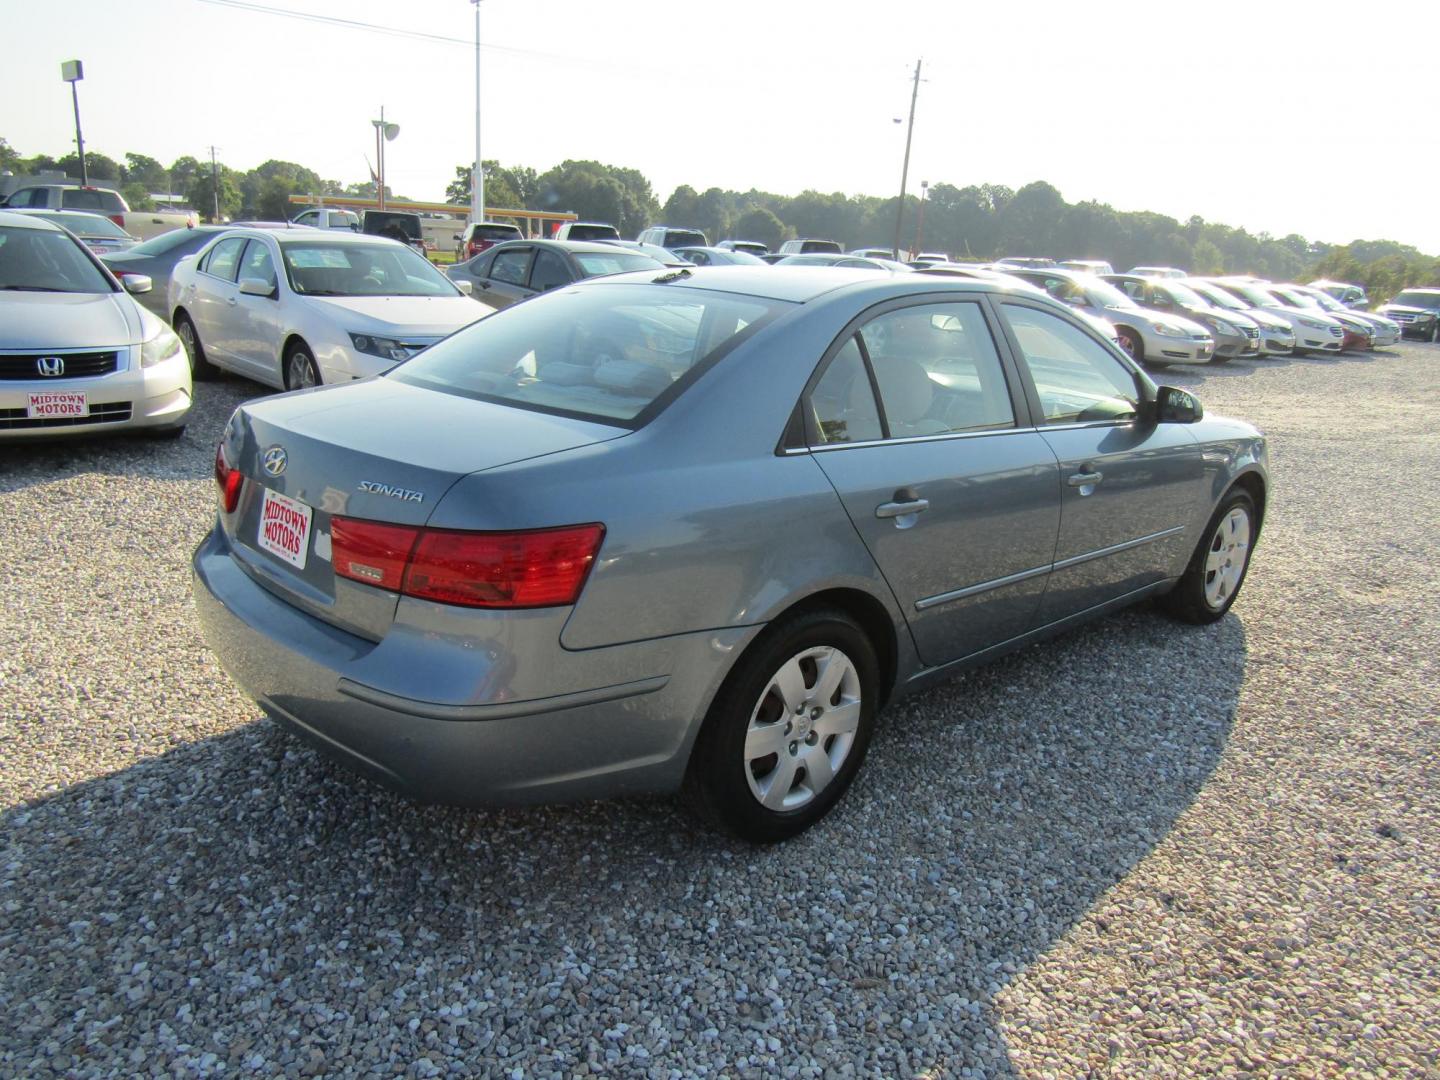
x=904, y=501
x=1085, y=479
x=230, y=301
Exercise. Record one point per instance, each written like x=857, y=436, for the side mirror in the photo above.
x=137, y=283
x=1175, y=406
x=254, y=286
x=456, y=236
x=464, y=286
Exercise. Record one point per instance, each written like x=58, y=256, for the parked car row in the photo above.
x=108, y=203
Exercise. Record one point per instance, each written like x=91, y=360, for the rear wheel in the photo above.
x=200, y=368
x=1435, y=331
x=301, y=370
x=1217, y=569
x=788, y=730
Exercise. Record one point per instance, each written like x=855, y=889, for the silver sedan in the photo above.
x=694, y=530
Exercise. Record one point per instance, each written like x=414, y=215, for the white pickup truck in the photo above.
x=141, y=224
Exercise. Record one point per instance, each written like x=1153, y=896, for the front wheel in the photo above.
x=200, y=368
x=301, y=370
x=1131, y=343
x=1216, y=571
x=788, y=730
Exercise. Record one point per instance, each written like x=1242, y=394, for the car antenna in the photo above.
x=673, y=275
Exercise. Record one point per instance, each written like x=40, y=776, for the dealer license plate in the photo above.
x=60, y=403
x=284, y=528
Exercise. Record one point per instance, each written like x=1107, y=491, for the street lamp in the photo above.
x=72, y=71
x=477, y=175
x=389, y=131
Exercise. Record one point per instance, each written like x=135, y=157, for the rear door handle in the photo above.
x=1083, y=479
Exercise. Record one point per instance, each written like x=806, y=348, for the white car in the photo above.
x=1385, y=331
x=1314, y=330
x=297, y=308
x=77, y=355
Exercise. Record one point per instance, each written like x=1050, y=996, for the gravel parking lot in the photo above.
x=1140, y=849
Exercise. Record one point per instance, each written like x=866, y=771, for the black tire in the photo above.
x=1192, y=600
x=297, y=357
x=1131, y=343
x=200, y=368
x=721, y=784
x=1435, y=332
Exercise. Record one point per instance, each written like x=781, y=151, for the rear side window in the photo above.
x=85, y=199
x=842, y=405
x=611, y=353
x=509, y=266
x=549, y=271
x=938, y=370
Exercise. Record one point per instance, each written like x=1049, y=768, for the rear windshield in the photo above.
x=168, y=241
x=381, y=224
x=86, y=224
x=41, y=260
x=88, y=199
x=496, y=232
x=684, y=238
x=612, y=353
x=593, y=232
x=598, y=265
x=1418, y=299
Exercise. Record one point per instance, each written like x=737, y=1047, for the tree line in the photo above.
x=975, y=222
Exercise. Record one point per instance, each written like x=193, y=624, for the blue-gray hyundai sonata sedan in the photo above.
x=693, y=530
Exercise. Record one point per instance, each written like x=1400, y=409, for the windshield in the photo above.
x=86, y=224
x=607, y=352
x=1102, y=293
x=598, y=265
x=1326, y=301
x=1183, y=295
x=1218, y=296
x=40, y=260
x=1296, y=299
x=168, y=241
x=326, y=268
x=1411, y=298
x=1257, y=296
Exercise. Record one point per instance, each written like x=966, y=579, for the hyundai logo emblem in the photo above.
x=50, y=366
x=274, y=460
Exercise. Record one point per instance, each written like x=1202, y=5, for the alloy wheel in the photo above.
x=301, y=371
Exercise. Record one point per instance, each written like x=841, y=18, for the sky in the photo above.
x=1311, y=117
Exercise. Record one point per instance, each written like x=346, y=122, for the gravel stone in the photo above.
x=1138, y=849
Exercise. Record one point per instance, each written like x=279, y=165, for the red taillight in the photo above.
x=371, y=552
x=119, y=219
x=536, y=568
x=230, y=480
x=477, y=246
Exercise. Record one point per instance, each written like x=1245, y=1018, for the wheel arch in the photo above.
x=1253, y=484
x=873, y=619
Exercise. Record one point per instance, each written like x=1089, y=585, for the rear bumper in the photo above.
x=614, y=721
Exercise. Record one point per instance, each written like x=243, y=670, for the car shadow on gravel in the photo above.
x=241, y=892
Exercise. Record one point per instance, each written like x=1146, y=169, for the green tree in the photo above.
x=145, y=171
x=136, y=196
x=202, y=193
x=598, y=192
x=9, y=157
x=97, y=166
x=1205, y=258
x=760, y=224
x=500, y=192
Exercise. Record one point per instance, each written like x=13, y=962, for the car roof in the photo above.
x=16, y=219
x=800, y=284
x=584, y=246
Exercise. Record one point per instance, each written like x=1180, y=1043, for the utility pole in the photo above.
x=905, y=169
x=477, y=177
x=215, y=185
x=920, y=218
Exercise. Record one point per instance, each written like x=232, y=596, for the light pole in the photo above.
x=905, y=169
x=477, y=175
x=72, y=71
x=389, y=131
x=920, y=218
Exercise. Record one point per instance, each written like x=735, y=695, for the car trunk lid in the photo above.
x=377, y=450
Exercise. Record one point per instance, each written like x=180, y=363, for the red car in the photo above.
x=480, y=237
